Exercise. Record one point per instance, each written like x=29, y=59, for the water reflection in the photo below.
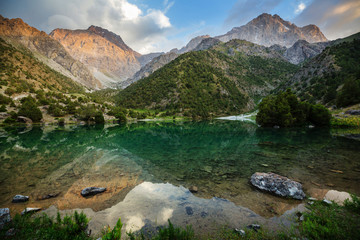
x=218, y=157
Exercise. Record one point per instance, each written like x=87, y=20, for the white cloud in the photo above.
x=335, y=18
x=300, y=8
x=141, y=29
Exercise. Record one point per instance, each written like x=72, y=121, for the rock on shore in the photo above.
x=90, y=191
x=20, y=198
x=278, y=185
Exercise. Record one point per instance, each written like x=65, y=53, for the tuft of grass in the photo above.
x=331, y=221
x=44, y=227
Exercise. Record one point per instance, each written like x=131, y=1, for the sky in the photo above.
x=161, y=25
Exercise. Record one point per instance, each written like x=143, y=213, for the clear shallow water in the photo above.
x=218, y=157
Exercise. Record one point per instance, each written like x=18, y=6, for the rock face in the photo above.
x=302, y=50
x=193, y=44
x=90, y=191
x=151, y=67
x=104, y=52
x=146, y=58
x=20, y=198
x=48, y=50
x=278, y=185
x=269, y=29
x=4, y=216
x=206, y=44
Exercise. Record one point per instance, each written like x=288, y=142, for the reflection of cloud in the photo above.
x=135, y=223
x=300, y=8
x=164, y=215
x=336, y=19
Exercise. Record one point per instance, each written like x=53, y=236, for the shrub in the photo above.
x=29, y=109
x=319, y=115
x=2, y=108
x=4, y=99
x=285, y=110
x=114, y=234
x=55, y=110
x=99, y=117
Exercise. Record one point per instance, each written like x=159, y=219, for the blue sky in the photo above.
x=160, y=25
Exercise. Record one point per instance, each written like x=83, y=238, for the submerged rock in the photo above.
x=278, y=185
x=90, y=191
x=254, y=227
x=20, y=198
x=4, y=216
x=50, y=195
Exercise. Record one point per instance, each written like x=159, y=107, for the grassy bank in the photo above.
x=321, y=221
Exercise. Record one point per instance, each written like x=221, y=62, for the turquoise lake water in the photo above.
x=217, y=157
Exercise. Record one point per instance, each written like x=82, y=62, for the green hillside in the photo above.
x=221, y=81
x=21, y=72
x=332, y=77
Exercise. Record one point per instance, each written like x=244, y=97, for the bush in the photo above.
x=55, y=110
x=114, y=234
x=29, y=109
x=285, y=110
x=349, y=94
x=4, y=99
x=99, y=117
x=319, y=115
x=2, y=108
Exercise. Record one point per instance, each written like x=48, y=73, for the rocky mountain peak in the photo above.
x=16, y=27
x=193, y=44
x=267, y=30
x=112, y=37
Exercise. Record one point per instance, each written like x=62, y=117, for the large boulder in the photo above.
x=20, y=198
x=278, y=185
x=4, y=216
x=90, y=191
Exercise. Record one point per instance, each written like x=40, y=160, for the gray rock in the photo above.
x=90, y=191
x=20, y=198
x=254, y=227
x=4, y=216
x=276, y=126
x=240, y=232
x=353, y=112
x=30, y=210
x=278, y=185
x=50, y=195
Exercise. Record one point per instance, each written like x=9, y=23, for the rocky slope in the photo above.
x=47, y=50
x=104, y=52
x=302, y=50
x=21, y=72
x=321, y=79
x=269, y=29
x=195, y=44
x=225, y=79
x=152, y=66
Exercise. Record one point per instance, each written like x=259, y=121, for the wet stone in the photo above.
x=4, y=216
x=20, y=198
x=90, y=191
x=189, y=210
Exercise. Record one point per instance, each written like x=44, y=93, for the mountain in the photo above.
x=195, y=44
x=324, y=78
x=47, y=50
x=21, y=71
x=104, y=52
x=152, y=66
x=146, y=58
x=228, y=78
x=269, y=29
x=192, y=44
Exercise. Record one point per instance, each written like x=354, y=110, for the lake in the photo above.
x=147, y=168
